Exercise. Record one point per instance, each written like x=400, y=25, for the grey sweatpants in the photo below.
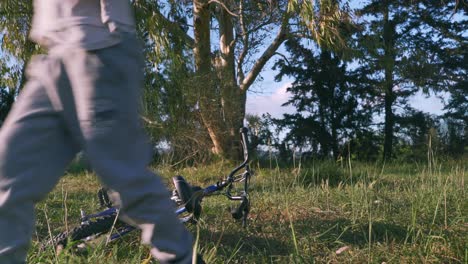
x=83, y=100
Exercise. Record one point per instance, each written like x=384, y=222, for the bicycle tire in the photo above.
x=97, y=226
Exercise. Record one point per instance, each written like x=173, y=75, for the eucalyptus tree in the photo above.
x=168, y=102
x=232, y=41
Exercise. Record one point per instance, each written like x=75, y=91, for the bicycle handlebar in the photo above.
x=243, y=209
x=243, y=131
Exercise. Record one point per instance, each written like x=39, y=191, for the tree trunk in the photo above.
x=233, y=99
x=389, y=65
x=334, y=134
x=389, y=123
x=221, y=102
x=223, y=96
x=208, y=103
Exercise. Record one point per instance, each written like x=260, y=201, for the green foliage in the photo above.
x=169, y=100
x=15, y=50
x=366, y=145
x=325, y=21
x=15, y=22
x=7, y=95
x=456, y=138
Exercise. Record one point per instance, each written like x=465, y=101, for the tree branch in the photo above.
x=283, y=56
x=223, y=6
x=245, y=40
x=267, y=54
x=174, y=26
x=149, y=121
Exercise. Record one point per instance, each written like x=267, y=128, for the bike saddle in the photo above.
x=186, y=194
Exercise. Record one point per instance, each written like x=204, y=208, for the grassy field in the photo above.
x=315, y=213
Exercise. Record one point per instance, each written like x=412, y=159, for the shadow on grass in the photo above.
x=242, y=243
x=358, y=234
x=317, y=237
x=332, y=175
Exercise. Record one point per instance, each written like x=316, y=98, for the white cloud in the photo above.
x=430, y=104
x=270, y=103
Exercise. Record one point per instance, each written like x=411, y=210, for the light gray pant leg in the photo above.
x=106, y=87
x=34, y=150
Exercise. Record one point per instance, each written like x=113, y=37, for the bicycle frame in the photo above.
x=240, y=212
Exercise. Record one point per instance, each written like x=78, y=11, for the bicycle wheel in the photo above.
x=95, y=227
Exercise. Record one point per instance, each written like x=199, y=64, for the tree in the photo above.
x=224, y=70
x=7, y=96
x=416, y=130
x=169, y=106
x=16, y=50
x=331, y=105
x=456, y=63
x=403, y=45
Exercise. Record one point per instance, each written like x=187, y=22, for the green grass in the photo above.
x=398, y=213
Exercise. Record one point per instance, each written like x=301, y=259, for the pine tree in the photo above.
x=330, y=103
x=404, y=47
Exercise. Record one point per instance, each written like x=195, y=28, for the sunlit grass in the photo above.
x=319, y=212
